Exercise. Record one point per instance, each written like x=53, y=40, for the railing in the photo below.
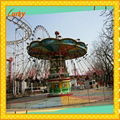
x=78, y=97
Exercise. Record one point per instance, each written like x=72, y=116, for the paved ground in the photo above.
x=105, y=107
x=78, y=97
x=90, y=101
x=27, y=99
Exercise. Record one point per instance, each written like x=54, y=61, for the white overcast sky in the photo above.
x=85, y=25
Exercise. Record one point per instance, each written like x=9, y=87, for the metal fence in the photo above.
x=78, y=97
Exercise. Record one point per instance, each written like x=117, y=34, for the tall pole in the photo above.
x=10, y=72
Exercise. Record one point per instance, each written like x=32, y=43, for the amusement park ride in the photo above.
x=57, y=50
x=45, y=58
